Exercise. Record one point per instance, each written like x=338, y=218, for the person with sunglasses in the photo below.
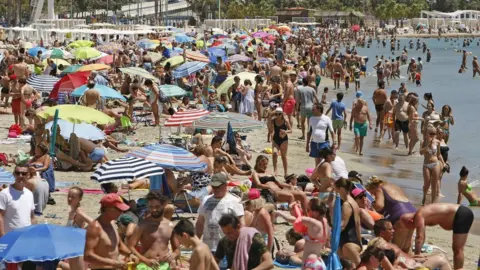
x=432, y=164
x=368, y=216
x=16, y=203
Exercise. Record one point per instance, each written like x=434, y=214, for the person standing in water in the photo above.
x=475, y=66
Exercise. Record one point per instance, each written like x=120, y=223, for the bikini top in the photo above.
x=320, y=240
x=433, y=150
x=266, y=179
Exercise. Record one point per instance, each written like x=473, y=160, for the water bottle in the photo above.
x=223, y=264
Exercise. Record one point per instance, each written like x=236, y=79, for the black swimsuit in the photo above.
x=276, y=133
x=349, y=234
x=266, y=193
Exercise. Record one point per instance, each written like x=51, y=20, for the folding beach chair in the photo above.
x=141, y=115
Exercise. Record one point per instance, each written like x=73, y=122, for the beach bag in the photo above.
x=14, y=131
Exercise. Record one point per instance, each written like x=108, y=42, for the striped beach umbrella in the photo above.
x=171, y=90
x=196, y=56
x=219, y=121
x=42, y=83
x=239, y=58
x=6, y=177
x=188, y=68
x=170, y=157
x=126, y=169
x=185, y=118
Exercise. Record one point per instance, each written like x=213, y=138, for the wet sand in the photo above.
x=381, y=161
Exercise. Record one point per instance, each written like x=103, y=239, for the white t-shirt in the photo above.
x=339, y=169
x=17, y=206
x=318, y=126
x=213, y=209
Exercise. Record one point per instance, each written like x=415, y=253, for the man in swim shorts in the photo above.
x=360, y=115
x=306, y=96
x=154, y=234
x=379, y=98
x=451, y=217
x=400, y=119
x=337, y=71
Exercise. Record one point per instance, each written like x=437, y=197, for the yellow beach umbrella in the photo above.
x=81, y=43
x=77, y=114
x=174, y=61
x=92, y=67
x=223, y=88
x=200, y=43
x=86, y=53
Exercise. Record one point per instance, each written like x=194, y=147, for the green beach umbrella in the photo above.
x=174, y=61
x=81, y=43
x=136, y=71
x=72, y=69
x=86, y=53
x=59, y=54
x=170, y=90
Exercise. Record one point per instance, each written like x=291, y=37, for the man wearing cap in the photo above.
x=103, y=244
x=154, y=234
x=213, y=207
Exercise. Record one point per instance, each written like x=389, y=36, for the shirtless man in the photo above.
x=275, y=70
x=91, y=153
x=475, y=66
x=337, y=70
x=154, y=234
x=400, y=120
x=118, y=60
x=412, y=69
x=201, y=258
x=384, y=231
x=222, y=72
x=464, y=62
x=91, y=98
x=388, y=115
x=451, y=217
x=20, y=69
x=379, y=98
x=360, y=116
x=147, y=62
x=288, y=97
x=103, y=244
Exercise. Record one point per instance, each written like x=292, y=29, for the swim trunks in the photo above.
x=306, y=112
x=360, y=129
x=388, y=119
x=401, y=126
x=97, y=154
x=336, y=75
x=463, y=220
x=316, y=147
x=379, y=107
x=289, y=106
x=161, y=266
x=5, y=90
x=16, y=105
x=338, y=124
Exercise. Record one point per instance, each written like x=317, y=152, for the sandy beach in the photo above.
x=298, y=162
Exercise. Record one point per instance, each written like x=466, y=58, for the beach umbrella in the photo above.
x=81, y=43
x=57, y=62
x=185, y=118
x=219, y=121
x=196, y=56
x=170, y=157
x=68, y=83
x=6, y=177
x=58, y=54
x=136, y=71
x=182, y=38
x=126, y=169
x=155, y=56
x=105, y=92
x=110, y=47
x=42, y=83
x=77, y=114
x=238, y=58
x=42, y=242
x=72, y=69
x=355, y=28
x=107, y=60
x=82, y=130
x=188, y=68
x=333, y=261
x=284, y=28
x=259, y=34
x=34, y=51
x=148, y=45
x=223, y=88
x=86, y=53
x=26, y=45
x=171, y=90
x=174, y=61
x=93, y=67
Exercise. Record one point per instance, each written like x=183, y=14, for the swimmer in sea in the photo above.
x=465, y=189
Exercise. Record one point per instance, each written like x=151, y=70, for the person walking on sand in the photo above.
x=102, y=242
x=339, y=117
x=337, y=70
x=319, y=127
x=388, y=124
x=201, y=258
x=360, y=116
x=306, y=97
x=400, y=120
x=154, y=234
x=379, y=98
x=449, y=216
x=432, y=165
x=281, y=127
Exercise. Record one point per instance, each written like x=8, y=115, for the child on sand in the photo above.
x=324, y=95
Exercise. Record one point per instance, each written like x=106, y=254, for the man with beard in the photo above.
x=154, y=234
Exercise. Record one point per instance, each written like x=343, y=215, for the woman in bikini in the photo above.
x=465, y=189
x=280, y=126
x=447, y=121
x=350, y=236
x=432, y=165
x=391, y=201
x=258, y=90
x=413, y=123
x=273, y=190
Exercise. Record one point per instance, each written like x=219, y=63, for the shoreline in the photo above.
x=435, y=35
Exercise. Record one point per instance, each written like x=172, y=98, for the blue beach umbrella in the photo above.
x=182, y=38
x=333, y=262
x=171, y=90
x=83, y=130
x=42, y=242
x=34, y=51
x=105, y=92
x=188, y=68
x=170, y=157
x=6, y=177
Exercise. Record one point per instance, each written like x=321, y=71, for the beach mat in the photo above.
x=66, y=184
x=90, y=191
x=286, y=266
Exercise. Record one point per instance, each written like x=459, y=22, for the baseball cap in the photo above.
x=113, y=200
x=218, y=180
x=357, y=191
x=359, y=94
x=252, y=194
x=355, y=174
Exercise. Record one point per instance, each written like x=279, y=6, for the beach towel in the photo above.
x=90, y=191
x=66, y=184
x=244, y=242
x=286, y=266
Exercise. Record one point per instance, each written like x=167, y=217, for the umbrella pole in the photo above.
x=54, y=134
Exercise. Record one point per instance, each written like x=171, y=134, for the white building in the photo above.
x=456, y=15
